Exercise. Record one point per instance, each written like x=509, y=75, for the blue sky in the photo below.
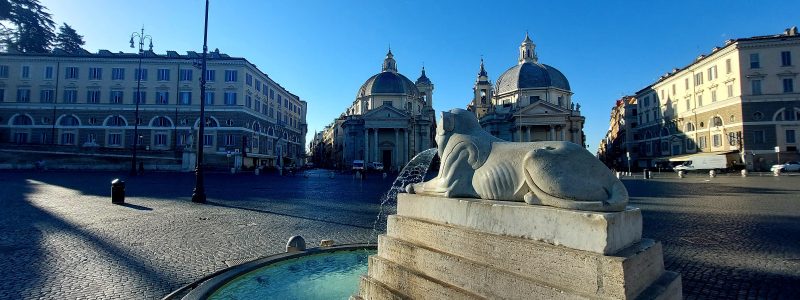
x=323, y=51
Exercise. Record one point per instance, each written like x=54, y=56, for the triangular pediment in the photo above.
x=385, y=112
x=542, y=108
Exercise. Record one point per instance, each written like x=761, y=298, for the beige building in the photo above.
x=739, y=100
x=389, y=122
x=81, y=102
x=530, y=101
x=615, y=150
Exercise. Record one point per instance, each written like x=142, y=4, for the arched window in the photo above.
x=116, y=121
x=161, y=122
x=256, y=127
x=664, y=132
x=689, y=127
x=22, y=120
x=716, y=121
x=69, y=121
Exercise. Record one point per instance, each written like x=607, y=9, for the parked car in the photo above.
x=358, y=165
x=377, y=166
x=791, y=166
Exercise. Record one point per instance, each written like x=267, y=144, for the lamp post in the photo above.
x=142, y=37
x=199, y=193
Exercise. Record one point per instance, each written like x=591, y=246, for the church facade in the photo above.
x=529, y=102
x=391, y=120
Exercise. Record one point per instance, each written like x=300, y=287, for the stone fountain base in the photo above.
x=444, y=248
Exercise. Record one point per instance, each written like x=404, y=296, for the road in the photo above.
x=60, y=236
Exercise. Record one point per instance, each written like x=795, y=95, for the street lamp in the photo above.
x=199, y=193
x=142, y=37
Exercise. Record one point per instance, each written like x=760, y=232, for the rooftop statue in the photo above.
x=475, y=164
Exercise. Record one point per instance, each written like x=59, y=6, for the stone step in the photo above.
x=668, y=286
x=413, y=284
x=371, y=289
x=624, y=275
x=479, y=279
x=600, y=232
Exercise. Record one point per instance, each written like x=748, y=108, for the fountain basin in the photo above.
x=318, y=273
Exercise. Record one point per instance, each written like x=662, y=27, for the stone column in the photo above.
x=366, y=144
x=375, y=146
x=405, y=147
x=552, y=133
x=519, y=137
x=396, y=151
x=530, y=138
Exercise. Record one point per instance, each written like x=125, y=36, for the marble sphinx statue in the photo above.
x=475, y=164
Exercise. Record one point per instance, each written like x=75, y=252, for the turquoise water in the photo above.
x=332, y=275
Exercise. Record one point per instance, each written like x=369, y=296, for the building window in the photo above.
x=185, y=74
x=140, y=97
x=116, y=97
x=758, y=116
x=117, y=74
x=258, y=85
x=716, y=121
x=230, y=98
x=758, y=136
x=248, y=79
x=699, y=100
x=790, y=136
x=208, y=140
x=788, y=85
x=140, y=74
x=686, y=83
x=71, y=73
x=714, y=96
x=70, y=96
x=95, y=73
x=271, y=94
x=26, y=72
x=230, y=140
x=185, y=97
x=786, y=58
x=754, y=61
x=689, y=127
x=728, y=66
x=3, y=71
x=231, y=75
x=702, y=142
x=730, y=90
x=712, y=73
x=162, y=97
x=48, y=72
x=160, y=139
x=114, y=139
x=258, y=106
x=163, y=75
x=688, y=105
x=93, y=96
x=248, y=101
x=732, y=139
x=698, y=79
x=68, y=138
x=116, y=121
x=210, y=75
x=23, y=95
x=755, y=86
x=209, y=98
x=47, y=96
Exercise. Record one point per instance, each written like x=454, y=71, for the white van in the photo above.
x=358, y=165
x=704, y=162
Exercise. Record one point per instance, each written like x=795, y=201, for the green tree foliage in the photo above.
x=31, y=27
x=68, y=39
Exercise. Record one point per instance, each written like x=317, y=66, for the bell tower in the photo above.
x=483, y=92
x=389, y=64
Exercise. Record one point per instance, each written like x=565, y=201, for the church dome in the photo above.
x=389, y=81
x=531, y=75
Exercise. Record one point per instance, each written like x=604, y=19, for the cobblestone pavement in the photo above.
x=61, y=238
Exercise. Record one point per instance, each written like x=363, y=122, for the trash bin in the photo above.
x=117, y=191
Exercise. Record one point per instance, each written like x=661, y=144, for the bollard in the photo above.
x=384, y=175
x=744, y=173
x=117, y=191
x=332, y=175
x=619, y=175
x=646, y=174
x=681, y=174
x=258, y=171
x=712, y=173
x=296, y=244
x=233, y=170
x=776, y=172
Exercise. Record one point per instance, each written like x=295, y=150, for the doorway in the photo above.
x=386, y=159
